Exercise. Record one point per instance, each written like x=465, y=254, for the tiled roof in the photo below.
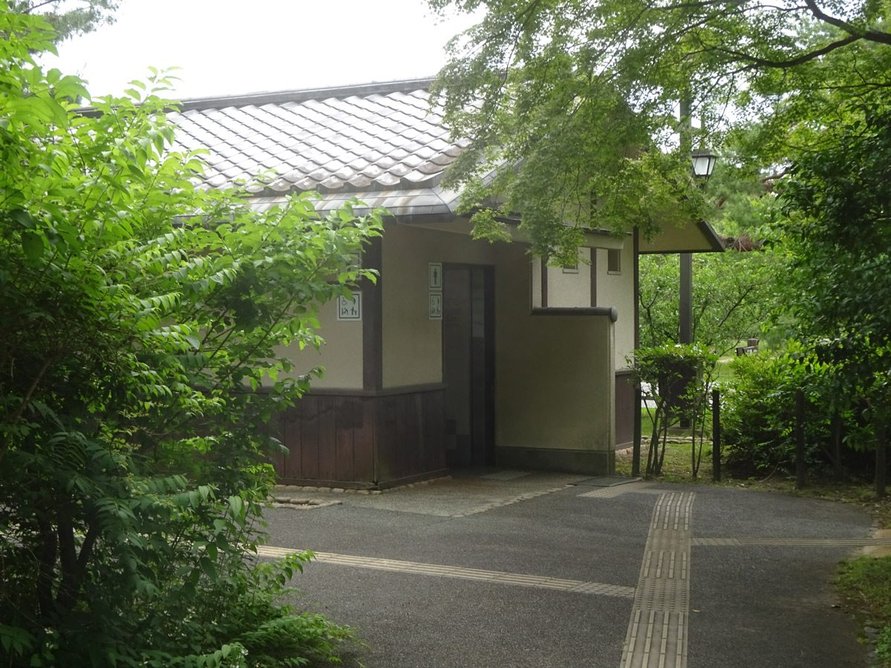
x=382, y=143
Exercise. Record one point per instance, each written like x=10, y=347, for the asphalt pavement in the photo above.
x=507, y=568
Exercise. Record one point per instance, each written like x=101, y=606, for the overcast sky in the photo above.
x=227, y=47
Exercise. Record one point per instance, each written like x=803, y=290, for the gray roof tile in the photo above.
x=331, y=183
x=387, y=179
x=398, y=202
x=383, y=143
x=359, y=181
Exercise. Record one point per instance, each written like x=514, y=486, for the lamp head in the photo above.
x=704, y=161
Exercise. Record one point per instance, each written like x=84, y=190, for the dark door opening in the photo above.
x=468, y=368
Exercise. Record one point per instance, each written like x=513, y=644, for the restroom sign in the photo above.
x=434, y=275
x=434, y=306
x=350, y=307
x=434, y=290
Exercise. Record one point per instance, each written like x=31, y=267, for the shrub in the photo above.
x=679, y=379
x=758, y=411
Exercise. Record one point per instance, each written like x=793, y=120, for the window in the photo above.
x=614, y=261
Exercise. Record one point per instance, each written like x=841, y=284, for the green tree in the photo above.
x=836, y=219
x=580, y=98
x=69, y=17
x=139, y=318
x=734, y=299
x=832, y=229
x=735, y=294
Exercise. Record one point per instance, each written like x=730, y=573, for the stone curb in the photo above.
x=349, y=490
x=877, y=551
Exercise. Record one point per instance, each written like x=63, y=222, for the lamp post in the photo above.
x=704, y=162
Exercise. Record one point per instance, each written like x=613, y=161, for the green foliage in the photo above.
x=830, y=226
x=865, y=586
x=743, y=200
x=575, y=101
x=800, y=104
x=737, y=293
x=582, y=159
x=678, y=380
x=758, y=411
x=295, y=640
x=66, y=17
x=734, y=297
x=140, y=325
x=838, y=232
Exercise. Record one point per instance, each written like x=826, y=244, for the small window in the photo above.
x=613, y=261
x=574, y=269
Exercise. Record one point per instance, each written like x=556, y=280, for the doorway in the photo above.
x=468, y=364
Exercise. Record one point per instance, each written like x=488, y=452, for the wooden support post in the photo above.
x=716, y=435
x=799, y=440
x=635, y=449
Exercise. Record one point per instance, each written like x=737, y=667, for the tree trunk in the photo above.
x=881, y=457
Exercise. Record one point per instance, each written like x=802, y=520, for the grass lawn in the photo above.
x=723, y=370
x=864, y=585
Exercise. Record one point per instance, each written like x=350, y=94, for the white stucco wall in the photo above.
x=341, y=355
x=570, y=288
x=412, y=343
x=613, y=289
x=554, y=383
x=617, y=290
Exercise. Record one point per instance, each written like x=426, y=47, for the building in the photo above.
x=464, y=353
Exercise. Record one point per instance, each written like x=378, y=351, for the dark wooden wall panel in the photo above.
x=279, y=424
x=363, y=440
x=309, y=440
x=392, y=448
x=624, y=407
x=291, y=434
x=410, y=440
x=386, y=435
x=433, y=430
x=327, y=448
x=344, y=446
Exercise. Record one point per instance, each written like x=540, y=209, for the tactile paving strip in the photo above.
x=657, y=631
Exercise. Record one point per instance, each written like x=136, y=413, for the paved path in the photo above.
x=513, y=569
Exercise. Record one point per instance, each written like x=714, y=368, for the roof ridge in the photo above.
x=277, y=97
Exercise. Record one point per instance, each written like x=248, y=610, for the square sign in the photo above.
x=434, y=309
x=350, y=308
